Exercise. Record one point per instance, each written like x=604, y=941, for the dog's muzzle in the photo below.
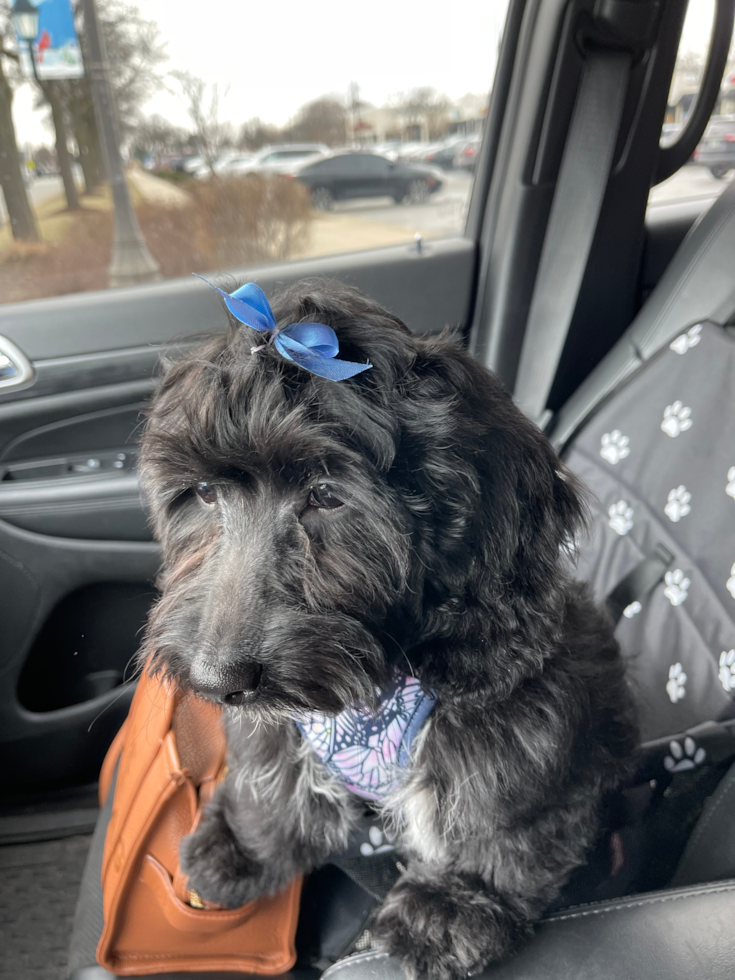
x=229, y=684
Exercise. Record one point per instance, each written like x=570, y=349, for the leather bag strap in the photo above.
x=200, y=741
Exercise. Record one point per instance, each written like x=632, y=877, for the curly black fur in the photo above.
x=449, y=557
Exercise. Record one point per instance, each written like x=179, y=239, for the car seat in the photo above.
x=652, y=419
x=652, y=434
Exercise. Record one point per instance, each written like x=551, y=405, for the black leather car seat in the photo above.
x=680, y=934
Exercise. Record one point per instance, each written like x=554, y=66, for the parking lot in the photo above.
x=443, y=214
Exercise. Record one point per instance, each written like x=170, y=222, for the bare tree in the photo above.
x=22, y=220
x=426, y=106
x=53, y=94
x=135, y=51
x=158, y=136
x=202, y=102
x=322, y=121
x=256, y=134
x=76, y=99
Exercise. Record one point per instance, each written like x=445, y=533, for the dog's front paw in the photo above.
x=218, y=870
x=446, y=929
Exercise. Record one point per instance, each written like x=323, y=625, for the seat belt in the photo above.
x=639, y=582
x=575, y=210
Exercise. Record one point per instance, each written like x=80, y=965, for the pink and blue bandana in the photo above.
x=369, y=752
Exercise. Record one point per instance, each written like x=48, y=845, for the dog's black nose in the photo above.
x=228, y=683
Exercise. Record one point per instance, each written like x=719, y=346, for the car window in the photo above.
x=322, y=166
x=371, y=164
x=189, y=116
x=712, y=166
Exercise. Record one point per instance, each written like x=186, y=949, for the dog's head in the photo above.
x=317, y=532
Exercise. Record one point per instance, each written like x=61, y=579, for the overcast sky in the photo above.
x=273, y=56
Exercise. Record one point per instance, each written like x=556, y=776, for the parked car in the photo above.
x=241, y=164
x=220, y=165
x=286, y=159
x=391, y=149
x=345, y=176
x=716, y=151
x=465, y=156
x=443, y=154
x=412, y=151
x=187, y=165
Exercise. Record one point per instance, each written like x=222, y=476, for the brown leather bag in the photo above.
x=171, y=754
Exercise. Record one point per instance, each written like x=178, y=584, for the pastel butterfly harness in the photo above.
x=370, y=752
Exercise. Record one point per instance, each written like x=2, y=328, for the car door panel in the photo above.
x=73, y=535
x=428, y=290
x=38, y=574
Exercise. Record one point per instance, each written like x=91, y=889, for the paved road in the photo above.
x=40, y=191
x=446, y=211
x=691, y=183
x=443, y=214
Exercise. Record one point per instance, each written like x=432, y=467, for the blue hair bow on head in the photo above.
x=312, y=346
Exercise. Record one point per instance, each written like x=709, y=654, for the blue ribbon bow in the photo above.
x=313, y=346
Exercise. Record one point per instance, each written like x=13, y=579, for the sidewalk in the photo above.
x=331, y=234
x=157, y=191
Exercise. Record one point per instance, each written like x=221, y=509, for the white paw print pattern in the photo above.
x=614, y=446
x=731, y=582
x=730, y=488
x=677, y=586
x=684, y=757
x=727, y=670
x=687, y=340
x=677, y=683
x=677, y=418
x=620, y=517
x=632, y=610
x=376, y=845
x=677, y=505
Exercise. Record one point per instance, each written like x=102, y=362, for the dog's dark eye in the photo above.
x=322, y=496
x=206, y=493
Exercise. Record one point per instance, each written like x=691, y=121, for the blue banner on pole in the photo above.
x=56, y=47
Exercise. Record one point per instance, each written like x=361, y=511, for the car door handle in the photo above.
x=15, y=368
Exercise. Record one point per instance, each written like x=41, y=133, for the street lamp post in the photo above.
x=131, y=261
x=25, y=20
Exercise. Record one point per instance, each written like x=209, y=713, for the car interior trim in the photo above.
x=676, y=154
x=15, y=369
x=429, y=289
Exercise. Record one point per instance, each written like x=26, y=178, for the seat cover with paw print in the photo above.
x=659, y=456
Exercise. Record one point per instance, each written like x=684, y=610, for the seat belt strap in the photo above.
x=575, y=210
x=639, y=581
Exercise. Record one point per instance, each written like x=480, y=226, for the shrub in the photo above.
x=173, y=176
x=254, y=218
x=225, y=223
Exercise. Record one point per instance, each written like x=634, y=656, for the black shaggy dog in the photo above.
x=316, y=534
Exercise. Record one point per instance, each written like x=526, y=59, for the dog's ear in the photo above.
x=496, y=513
